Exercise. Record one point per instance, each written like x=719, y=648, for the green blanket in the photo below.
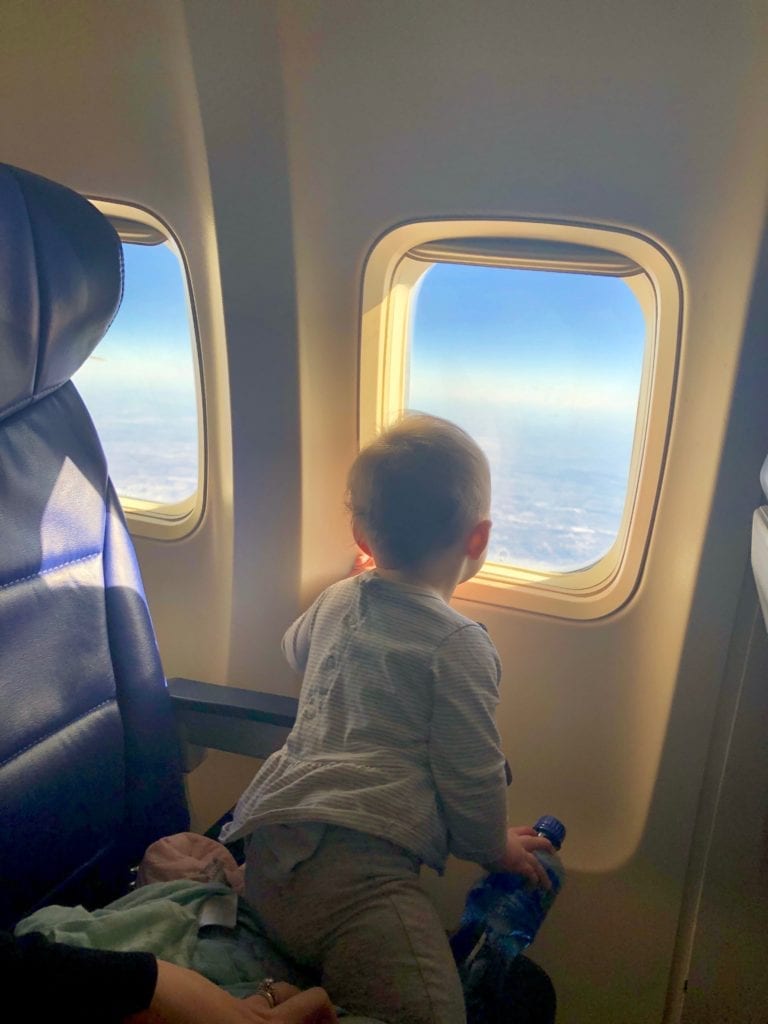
x=165, y=919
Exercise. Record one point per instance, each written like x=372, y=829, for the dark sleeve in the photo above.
x=90, y=985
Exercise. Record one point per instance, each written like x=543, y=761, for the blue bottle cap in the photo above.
x=552, y=829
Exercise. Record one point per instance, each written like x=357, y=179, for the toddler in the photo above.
x=394, y=760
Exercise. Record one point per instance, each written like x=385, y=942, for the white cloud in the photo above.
x=533, y=392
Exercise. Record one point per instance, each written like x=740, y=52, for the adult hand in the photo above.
x=309, y=1007
x=186, y=997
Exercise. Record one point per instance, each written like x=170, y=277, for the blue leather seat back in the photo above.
x=89, y=771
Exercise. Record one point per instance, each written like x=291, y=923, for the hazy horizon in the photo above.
x=542, y=368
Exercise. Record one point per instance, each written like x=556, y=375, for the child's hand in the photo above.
x=519, y=857
x=362, y=563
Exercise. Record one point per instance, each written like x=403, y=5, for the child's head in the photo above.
x=418, y=490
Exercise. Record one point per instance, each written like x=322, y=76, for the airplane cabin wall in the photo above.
x=102, y=97
x=280, y=140
x=611, y=115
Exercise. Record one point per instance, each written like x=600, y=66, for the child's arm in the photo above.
x=465, y=753
x=297, y=637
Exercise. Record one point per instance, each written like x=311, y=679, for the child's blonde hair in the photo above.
x=417, y=489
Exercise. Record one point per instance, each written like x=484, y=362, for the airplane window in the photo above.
x=556, y=347
x=139, y=384
x=544, y=369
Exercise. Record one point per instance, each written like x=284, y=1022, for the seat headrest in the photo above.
x=61, y=282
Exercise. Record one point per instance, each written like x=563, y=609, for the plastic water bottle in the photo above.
x=502, y=916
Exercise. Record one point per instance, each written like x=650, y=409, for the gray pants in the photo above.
x=354, y=912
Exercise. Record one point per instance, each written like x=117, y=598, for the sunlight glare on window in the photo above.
x=544, y=369
x=139, y=383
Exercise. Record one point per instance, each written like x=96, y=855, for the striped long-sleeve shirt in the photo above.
x=395, y=734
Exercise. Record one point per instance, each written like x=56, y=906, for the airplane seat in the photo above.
x=89, y=762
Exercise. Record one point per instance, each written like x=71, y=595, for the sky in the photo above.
x=542, y=368
x=139, y=384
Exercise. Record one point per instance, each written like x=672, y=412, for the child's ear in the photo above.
x=477, y=541
x=360, y=540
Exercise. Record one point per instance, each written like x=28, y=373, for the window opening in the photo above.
x=544, y=368
x=140, y=384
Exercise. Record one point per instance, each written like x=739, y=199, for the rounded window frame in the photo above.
x=390, y=280
x=151, y=519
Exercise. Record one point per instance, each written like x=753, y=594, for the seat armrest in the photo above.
x=230, y=718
